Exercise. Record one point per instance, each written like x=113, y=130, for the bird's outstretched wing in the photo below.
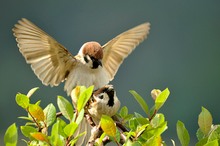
x=50, y=61
x=117, y=49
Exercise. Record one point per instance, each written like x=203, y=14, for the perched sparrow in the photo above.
x=93, y=65
x=103, y=101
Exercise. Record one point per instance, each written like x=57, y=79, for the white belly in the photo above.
x=84, y=76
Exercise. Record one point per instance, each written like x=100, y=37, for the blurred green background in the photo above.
x=182, y=53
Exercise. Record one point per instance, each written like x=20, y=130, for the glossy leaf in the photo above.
x=65, y=107
x=27, y=130
x=108, y=125
x=133, y=123
x=212, y=143
x=11, y=136
x=213, y=136
x=50, y=114
x=182, y=134
x=70, y=129
x=61, y=125
x=36, y=111
x=26, y=118
x=123, y=112
x=84, y=97
x=73, y=141
x=56, y=139
x=153, y=141
x=140, y=100
x=157, y=120
x=161, y=98
x=205, y=121
x=22, y=100
x=101, y=138
x=80, y=116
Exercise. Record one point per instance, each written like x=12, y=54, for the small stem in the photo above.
x=155, y=112
x=39, y=128
x=121, y=126
x=58, y=114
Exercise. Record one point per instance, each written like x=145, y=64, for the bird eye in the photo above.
x=101, y=96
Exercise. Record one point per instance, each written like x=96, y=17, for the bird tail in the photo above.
x=84, y=126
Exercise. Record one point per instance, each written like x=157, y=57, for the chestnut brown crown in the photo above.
x=93, y=49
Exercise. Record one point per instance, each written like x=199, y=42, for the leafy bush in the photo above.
x=123, y=128
x=47, y=127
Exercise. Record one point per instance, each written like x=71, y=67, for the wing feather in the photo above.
x=50, y=61
x=117, y=49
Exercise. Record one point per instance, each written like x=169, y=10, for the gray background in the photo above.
x=181, y=53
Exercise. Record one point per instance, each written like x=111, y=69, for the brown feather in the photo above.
x=93, y=49
x=49, y=60
x=117, y=49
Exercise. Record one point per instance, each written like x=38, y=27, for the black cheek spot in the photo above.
x=111, y=98
x=86, y=59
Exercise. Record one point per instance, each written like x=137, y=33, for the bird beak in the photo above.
x=99, y=62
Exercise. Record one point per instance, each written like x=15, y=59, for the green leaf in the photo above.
x=213, y=136
x=123, y=112
x=101, y=139
x=11, y=135
x=84, y=97
x=140, y=130
x=182, y=133
x=154, y=132
x=108, y=125
x=161, y=99
x=31, y=92
x=26, y=130
x=205, y=121
x=140, y=100
x=56, y=139
x=212, y=143
x=142, y=121
x=127, y=118
x=116, y=138
x=26, y=118
x=61, y=126
x=36, y=111
x=70, y=129
x=22, y=100
x=157, y=120
x=80, y=116
x=133, y=123
x=50, y=114
x=73, y=141
x=202, y=142
x=65, y=107
x=199, y=134
x=153, y=141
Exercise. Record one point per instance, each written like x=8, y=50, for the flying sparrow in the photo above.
x=94, y=64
